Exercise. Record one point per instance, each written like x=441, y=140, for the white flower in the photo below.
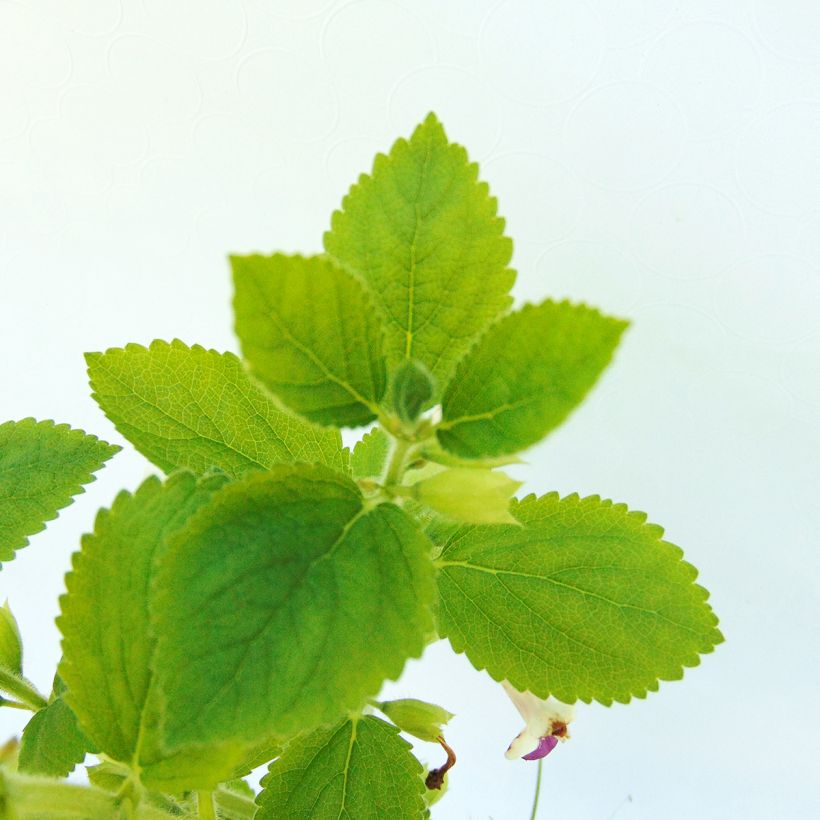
x=546, y=724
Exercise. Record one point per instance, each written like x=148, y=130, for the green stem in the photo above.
x=25, y=691
x=398, y=459
x=239, y=806
x=205, y=805
x=537, y=788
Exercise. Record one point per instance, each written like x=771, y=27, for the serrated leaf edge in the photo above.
x=178, y=344
x=73, y=490
x=672, y=549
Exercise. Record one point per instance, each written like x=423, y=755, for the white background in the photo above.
x=655, y=158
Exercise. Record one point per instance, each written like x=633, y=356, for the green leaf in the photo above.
x=198, y=409
x=413, y=389
x=285, y=602
x=584, y=601
x=432, y=451
x=107, y=639
x=422, y=232
x=524, y=377
x=196, y=766
x=358, y=769
x=53, y=743
x=42, y=466
x=108, y=644
x=370, y=454
x=309, y=332
x=11, y=646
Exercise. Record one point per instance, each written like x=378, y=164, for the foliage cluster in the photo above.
x=248, y=605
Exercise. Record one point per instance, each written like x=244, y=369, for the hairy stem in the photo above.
x=398, y=461
x=25, y=691
x=205, y=805
x=13, y=704
x=36, y=796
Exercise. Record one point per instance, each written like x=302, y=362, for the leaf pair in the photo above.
x=109, y=641
x=416, y=267
x=415, y=272
x=203, y=617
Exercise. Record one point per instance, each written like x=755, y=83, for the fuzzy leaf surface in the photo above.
x=359, y=770
x=285, y=602
x=310, y=334
x=43, y=465
x=53, y=743
x=524, y=377
x=187, y=407
x=108, y=643
x=583, y=601
x=423, y=233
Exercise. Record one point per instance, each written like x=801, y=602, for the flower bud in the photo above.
x=412, y=389
x=417, y=718
x=475, y=496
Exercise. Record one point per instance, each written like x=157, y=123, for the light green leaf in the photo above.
x=309, y=332
x=42, y=466
x=370, y=454
x=360, y=770
x=53, y=743
x=108, y=643
x=524, y=377
x=584, y=601
x=11, y=646
x=198, y=409
x=285, y=602
x=194, y=766
x=422, y=232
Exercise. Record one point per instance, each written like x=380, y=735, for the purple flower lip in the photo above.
x=545, y=746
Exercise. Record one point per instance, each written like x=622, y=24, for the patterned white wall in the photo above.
x=658, y=159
